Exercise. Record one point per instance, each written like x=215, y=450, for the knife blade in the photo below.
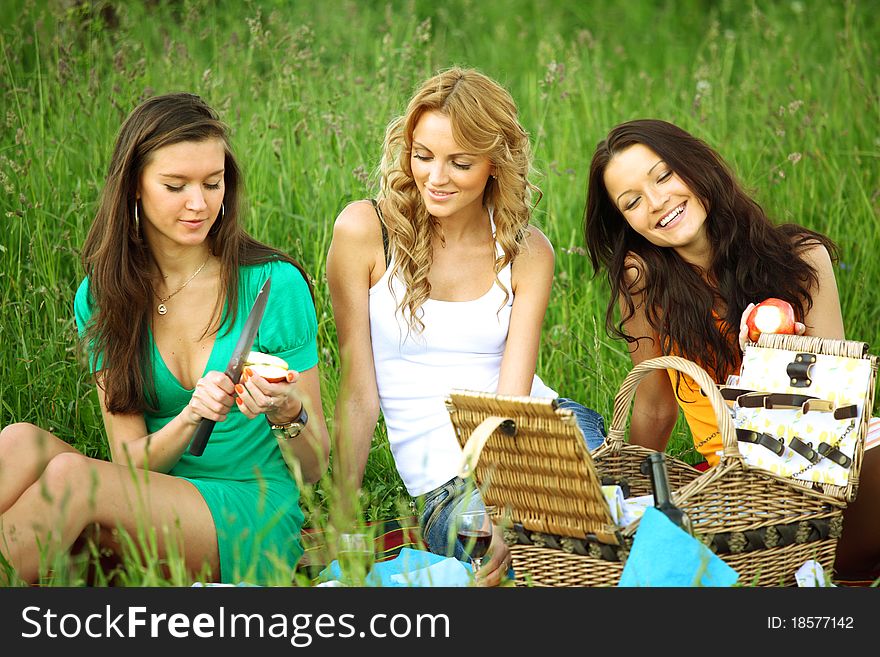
x=236, y=362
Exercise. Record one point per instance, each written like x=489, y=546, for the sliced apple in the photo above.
x=271, y=368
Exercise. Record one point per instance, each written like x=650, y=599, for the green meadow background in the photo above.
x=788, y=93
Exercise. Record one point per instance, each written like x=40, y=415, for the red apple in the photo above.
x=271, y=368
x=770, y=316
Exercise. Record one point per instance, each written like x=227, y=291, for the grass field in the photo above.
x=788, y=92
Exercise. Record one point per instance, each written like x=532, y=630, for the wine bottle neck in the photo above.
x=660, y=480
x=655, y=465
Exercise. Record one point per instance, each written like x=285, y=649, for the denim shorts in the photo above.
x=440, y=506
x=592, y=424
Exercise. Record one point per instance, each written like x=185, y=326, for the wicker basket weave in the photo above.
x=530, y=460
x=547, y=483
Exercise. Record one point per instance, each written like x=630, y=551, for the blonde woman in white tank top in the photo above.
x=441, y=284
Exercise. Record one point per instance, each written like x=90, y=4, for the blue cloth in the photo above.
x=663, y=554
x=409, y=568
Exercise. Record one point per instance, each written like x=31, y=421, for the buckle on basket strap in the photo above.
x=834, y=455
x=799, y=370
x=804, y=449
x=772, y=443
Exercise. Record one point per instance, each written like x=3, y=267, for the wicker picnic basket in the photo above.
x=532, y=464
x=530, y=460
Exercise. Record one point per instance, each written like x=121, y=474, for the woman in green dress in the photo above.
x=170, y=278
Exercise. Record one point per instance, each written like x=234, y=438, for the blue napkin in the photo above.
x=420, y=568
x=663, y=554
x=410, y=568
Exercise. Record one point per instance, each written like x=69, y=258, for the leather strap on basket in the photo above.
x=474, y=445
x=803, y=448
x=745, y=398
x=846, y=412
x=765, y=440
x=799, y=370
x=834, y=455
x=626, y=393
x=777, y=400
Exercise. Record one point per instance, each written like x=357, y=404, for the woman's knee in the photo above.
x=13, y=435
x=70, y=479
x=27, y=441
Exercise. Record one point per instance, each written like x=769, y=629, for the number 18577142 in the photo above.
x=810, y=623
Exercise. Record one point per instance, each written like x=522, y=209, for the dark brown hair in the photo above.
x=117, y=260
x=752, y=258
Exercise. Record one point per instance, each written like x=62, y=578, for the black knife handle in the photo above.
x=200, y=439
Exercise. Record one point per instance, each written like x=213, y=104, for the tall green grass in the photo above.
x=788, y=92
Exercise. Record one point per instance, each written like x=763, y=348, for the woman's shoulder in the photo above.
x=535, y=261
x=283, y=273
x=813, y=250
x=537, y=240
x=358, y=241
x=536, y=247
x=358, y=221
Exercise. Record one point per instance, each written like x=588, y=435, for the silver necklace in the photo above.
x=162, y=308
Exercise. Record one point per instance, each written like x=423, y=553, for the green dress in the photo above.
x=241, y=474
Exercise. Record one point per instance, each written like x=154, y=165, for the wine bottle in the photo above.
x=655, y=465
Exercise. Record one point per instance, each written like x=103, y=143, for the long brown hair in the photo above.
x=484, y=120
x=752, y=258
x=117, y=260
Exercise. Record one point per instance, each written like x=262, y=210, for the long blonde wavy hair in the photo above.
x=484, y=121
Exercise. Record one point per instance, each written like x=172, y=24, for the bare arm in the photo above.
x=531, y=279
x=824, y=318
x=310, y=451
x=655, y=409
x=351, y=269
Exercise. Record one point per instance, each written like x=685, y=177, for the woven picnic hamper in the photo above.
x=532, y=464
x=763, y=525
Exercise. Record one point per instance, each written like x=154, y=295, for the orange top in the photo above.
x=698, y=412
x=700, y=416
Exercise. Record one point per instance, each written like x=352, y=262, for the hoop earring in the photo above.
x=137, y=219
x=219, y=220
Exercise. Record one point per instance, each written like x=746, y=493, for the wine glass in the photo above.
x=355, y=554
x=475, y=534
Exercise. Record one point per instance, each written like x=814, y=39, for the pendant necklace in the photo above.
x=162, y=308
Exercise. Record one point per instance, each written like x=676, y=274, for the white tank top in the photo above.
x=460, y=347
